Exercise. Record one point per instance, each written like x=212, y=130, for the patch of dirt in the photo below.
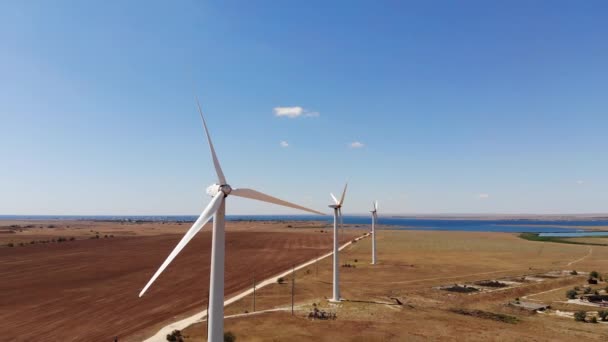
x=487, y=315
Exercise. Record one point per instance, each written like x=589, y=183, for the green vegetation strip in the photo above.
x=557, y=239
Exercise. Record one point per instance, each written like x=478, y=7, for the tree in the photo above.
x=593, y=319
x=229, y=337
x=580, y=316
x=594, y=274
x=571, y=294
x=603, y=314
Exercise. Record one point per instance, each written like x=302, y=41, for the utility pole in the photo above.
x=317, y=267
x=253, y=292
x=293, y=285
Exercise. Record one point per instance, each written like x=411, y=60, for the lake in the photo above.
x=511, y=226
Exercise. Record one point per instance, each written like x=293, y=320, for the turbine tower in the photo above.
x=337, y=207
x=374, y=219
x=217, y=208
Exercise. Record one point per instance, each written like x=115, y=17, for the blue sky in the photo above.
x=460, y=106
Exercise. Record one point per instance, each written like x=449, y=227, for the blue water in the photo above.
x=575, y=234
x=519, y=225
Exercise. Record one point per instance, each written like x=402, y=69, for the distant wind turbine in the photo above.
x=337, y=207
x=374, y=219
x=217, y=209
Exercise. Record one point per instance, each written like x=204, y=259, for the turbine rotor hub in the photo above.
x=226, y=189
x=215, y=189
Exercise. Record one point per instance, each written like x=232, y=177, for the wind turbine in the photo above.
x=374, y=218
x=337, y=207
x=217, y=209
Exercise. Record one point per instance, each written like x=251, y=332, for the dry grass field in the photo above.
x=86, y=289
x=412, y=264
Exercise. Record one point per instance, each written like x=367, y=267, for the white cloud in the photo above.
x=356, y=144
x=579, y=182
x=483, y=196
x=284, y=143
x=294, y=112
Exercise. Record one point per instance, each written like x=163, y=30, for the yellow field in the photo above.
x=411, y=264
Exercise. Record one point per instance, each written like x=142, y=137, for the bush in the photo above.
x=571, y=294
x=10, y=244
x=576, y=288
x=175, y=336
x=580, y=316
x=229, y=337
x=594, y=274
x=281, y=280
x=573, y=272
x=593, y=319
x=72, y=238
x=587, y=290
x=603, y=314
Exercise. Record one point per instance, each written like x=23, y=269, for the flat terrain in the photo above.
x=413, y=264
x=86, y=289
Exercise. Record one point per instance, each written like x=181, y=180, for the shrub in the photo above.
x=573, y=272
x=576, y=288
x=594, y=274
x=175, y=336
x=10, y=244
x=580, y=316
x=571, y=294
x=356, y=260
x=281, y=280
x=72, y=238
x=593, y=319
x=21, y=244
x=587, y=290
x=229, y=337
x=603, y=314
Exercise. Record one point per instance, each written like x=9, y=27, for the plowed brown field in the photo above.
x=87, y=290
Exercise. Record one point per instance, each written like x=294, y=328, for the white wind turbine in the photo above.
x=337, y=206
x=374, y=219
x=217, y=209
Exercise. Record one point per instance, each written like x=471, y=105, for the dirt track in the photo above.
x=86, y=290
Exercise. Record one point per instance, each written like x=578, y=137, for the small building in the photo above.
x=530, y=306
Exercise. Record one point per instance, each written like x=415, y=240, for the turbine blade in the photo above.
x=376, y=205
x=256, y=195
x=334, y=197
x=196, y=227
x=343, y=193
x=218, y=169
